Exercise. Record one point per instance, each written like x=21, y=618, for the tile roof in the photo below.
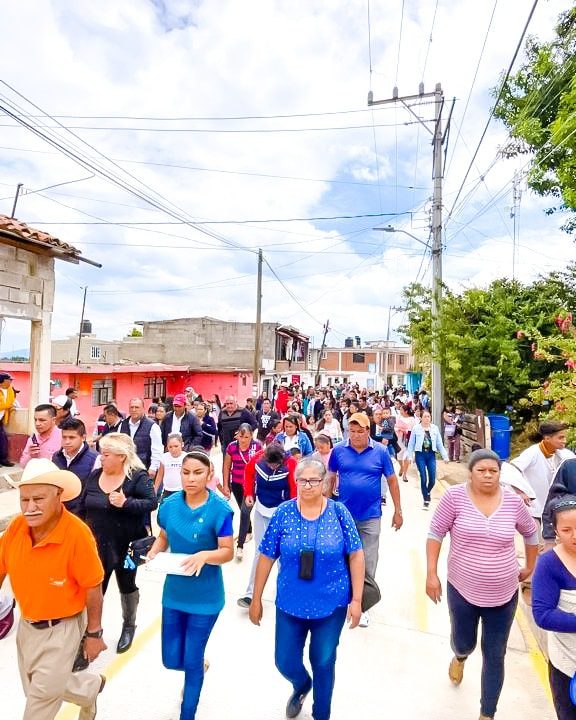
x=11, y=225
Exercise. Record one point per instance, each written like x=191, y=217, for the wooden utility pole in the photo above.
x=326, y=328
x=81, y=328
x=258, y=333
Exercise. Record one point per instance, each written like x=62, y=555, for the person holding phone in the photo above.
x=320, y=583
x=47, y=439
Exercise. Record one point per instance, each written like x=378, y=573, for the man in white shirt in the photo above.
x=72, y=394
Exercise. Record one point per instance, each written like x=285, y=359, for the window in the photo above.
x=95, y=352
x=103, y=391
x=154, y=387
x=358, y=357
x=390, y=358
x=324, y=355
x=401, y=359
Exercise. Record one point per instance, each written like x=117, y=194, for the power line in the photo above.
x=430, y=40
x=227, y=172
x=399, y=42
x=203, y=131
x=492, y=110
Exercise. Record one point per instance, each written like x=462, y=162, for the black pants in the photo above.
x=560, y=686
x=3, y=444
x=245, y=524
x=126, y=580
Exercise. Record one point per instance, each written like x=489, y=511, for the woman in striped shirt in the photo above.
x=482, y=518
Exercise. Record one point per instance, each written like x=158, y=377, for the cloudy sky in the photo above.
x=207, y=130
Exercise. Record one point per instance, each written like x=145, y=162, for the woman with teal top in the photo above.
x=198, y=523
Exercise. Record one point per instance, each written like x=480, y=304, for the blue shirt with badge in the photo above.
x=190, y=530
x=359, y=476
x=332, y=536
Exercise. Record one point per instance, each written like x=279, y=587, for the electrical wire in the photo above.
x=492, y=110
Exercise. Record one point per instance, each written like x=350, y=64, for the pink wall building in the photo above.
x=98, y=384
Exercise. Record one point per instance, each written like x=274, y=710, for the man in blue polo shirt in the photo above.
x=359, y=465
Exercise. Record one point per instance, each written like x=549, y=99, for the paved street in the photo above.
x=395, y=668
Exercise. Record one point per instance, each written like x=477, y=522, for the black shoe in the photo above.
x=7, y=463
x=244, y=602
x=383, y=501
x=295, y=702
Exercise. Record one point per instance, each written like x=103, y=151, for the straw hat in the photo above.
x=41, y=471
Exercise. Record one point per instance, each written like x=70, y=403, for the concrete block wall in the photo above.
x=26, y=283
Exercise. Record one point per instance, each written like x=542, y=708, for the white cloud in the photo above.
x=173, y=58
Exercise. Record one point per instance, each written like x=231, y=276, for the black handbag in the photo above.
x=370, y=593
x=138, y=549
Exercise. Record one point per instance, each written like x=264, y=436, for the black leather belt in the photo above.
x=43, y=624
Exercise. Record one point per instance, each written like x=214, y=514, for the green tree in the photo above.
x=537, y=106
x=135, y=332
x=489, y=338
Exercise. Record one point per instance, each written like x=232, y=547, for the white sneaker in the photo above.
x=364, y=620
x=239, y=553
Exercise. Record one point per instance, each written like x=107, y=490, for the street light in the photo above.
x=437, y=380
x=391, y=229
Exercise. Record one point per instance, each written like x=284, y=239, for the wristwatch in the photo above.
x=96, y=634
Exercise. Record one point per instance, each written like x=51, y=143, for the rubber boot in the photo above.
x=129, y=606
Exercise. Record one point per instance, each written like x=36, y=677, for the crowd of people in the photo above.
x=308, y=472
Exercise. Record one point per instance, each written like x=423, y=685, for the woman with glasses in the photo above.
x=320, y=582
x=482, y=518
x=269, y=481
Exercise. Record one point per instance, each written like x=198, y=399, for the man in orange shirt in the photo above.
x=56, y=575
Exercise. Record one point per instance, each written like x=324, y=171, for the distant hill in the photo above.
x=16, y=355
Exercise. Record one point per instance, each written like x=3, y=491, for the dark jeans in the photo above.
x=245, y=524
x=496, y=626
x=560, y=687
x=3, y=444
x=291, y=634
x=126, y=580
x=184, y=638
x=426, y=464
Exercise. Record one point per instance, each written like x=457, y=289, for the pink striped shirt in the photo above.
x=482, y=563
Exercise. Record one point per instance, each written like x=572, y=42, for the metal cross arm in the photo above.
x=391, y=229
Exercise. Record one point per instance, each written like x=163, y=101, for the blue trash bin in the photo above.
x=501, y=435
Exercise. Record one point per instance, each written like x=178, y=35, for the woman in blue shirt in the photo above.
x=292, y=436
x=198, y=523
x=425, y=442
x=313, y=537
x=554, y=604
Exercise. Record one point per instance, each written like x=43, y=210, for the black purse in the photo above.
x=370, y=593
x=138, y=549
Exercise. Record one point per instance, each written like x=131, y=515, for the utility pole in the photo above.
x=317, y=378
x=18, y=189
x=438, y=139
x=396, y=309
x=514, y=212
x=81, y=326
x=258, y=333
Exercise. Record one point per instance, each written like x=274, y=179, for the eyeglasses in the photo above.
x=311, y=482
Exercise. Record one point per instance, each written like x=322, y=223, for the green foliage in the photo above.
x=490, y=340
x=537, y=106
x=135, y=333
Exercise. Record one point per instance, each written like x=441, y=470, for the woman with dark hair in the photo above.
x=160, y=413
x=269, y=482
x=209, y=429
x=329, y=425
x=482, y=519
x=554, y=603
x=198, y=523
x=323, y=444
x=539, y=462
x=293, y=435
x=238, y=454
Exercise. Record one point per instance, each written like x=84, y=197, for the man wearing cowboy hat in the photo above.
x=56, y=575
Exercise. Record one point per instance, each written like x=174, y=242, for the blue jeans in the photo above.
x=426, y=464
x=184, y=638
x=496, y=626
x=291, y=634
